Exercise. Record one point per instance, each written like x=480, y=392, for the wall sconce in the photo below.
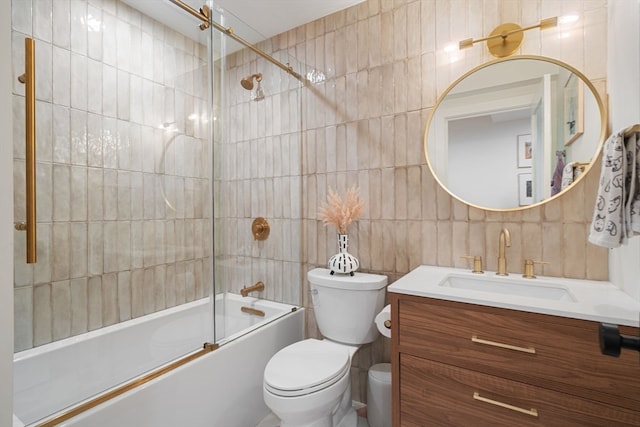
x=506, y=38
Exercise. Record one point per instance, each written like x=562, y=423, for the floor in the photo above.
x=273, y=421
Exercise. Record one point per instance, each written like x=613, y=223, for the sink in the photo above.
x=508, y=286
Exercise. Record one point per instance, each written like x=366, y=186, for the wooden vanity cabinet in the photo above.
x=458, y=364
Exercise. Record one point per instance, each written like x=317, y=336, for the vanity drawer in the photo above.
x=436, y=394
x=548, y=351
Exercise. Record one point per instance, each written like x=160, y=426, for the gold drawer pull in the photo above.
x=533, y=412
x=529, y=350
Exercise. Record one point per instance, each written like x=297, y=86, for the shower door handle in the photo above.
x=29, y=80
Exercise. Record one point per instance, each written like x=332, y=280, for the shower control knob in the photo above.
x=611, y=341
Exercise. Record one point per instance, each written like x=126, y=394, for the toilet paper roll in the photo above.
x=383, y=321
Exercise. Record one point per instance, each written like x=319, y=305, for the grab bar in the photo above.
x=29, y=80
x=58, y=419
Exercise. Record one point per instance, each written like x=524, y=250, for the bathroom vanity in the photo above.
x=484, y=350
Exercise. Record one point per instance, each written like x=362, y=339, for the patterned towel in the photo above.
x=633, y=204
x=567, y=175
x=617, y=211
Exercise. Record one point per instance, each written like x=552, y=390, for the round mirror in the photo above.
x=514, y=133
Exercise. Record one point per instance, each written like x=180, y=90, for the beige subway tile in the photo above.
x=377, y=246
x=148, y=291
x=43, y=315
x=429, y=243
x=443, y=204
x=477, y=241
x=61, y=192
x=532, y=241
x=553, y=211
x=414, y=194
x=124, y=295
x=159, y=286
x=23, y=318
x=399, y=247
x=61, y=251
x=400, y=193
x=460, y=210
x=459, y=243
x=387, y=193
x=428, y=194
x=445, y=245
x=110, y=311
x=94, y=303
x=597, y=262
x=413, y=244
x=573, y=204
x=79, y=307
x=137, y=293
x=552, y=248
x=61, y=307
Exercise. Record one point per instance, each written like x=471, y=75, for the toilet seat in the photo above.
x=306, y=367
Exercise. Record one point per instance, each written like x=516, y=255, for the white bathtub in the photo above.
x=223, y=388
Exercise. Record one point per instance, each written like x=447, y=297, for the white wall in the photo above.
x=6, y=221
x=624, y=110
x=476, y=146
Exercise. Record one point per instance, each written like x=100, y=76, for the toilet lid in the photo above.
x=305, y=367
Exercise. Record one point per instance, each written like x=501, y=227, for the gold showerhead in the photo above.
x=247, y=82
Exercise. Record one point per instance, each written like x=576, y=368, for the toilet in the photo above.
x=308, y=384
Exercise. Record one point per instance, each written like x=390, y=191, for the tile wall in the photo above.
x=258, y=173
x=384, y=67
x=123, y=218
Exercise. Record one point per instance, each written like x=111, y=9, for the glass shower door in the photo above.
x=124, y=267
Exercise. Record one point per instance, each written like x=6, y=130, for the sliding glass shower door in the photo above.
x=123, y=226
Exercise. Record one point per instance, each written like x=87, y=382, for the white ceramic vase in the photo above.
x=343, y=262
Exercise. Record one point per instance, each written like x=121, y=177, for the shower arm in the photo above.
x=204, y=16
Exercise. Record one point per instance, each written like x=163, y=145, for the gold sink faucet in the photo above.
x=259, y=286
x=505, y=240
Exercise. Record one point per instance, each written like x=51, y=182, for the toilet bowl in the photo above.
x=308, y=383
x=305, y=384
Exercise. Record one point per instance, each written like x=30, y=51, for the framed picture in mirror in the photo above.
x=525, y=188
x=525, y=151
x=573, y=109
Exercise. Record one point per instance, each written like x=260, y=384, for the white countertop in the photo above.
x=594, y=300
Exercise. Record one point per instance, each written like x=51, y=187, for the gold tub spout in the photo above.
x=259, y=286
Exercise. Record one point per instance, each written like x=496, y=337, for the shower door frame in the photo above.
x=6, y=219
x=7, y=234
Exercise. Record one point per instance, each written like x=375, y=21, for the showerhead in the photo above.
x=247, y=82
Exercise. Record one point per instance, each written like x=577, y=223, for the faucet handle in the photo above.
x=477, y=263
x=529, y=270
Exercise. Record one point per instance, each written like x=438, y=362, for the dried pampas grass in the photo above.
x=341, y=213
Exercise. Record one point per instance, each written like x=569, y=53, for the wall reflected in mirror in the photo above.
x=518, y=117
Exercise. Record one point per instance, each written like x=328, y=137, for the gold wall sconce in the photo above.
x=506, y=38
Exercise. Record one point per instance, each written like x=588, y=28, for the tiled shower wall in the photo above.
x=258, y=173
x=384, y=66
x=122, y=174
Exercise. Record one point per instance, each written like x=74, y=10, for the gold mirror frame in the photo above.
x=585, y=80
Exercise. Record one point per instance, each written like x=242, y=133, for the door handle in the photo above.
x=29, y=80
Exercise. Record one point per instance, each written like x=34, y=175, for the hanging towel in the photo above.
x=617, y=212
x=633, y=206
x=567, y=175
x=556, y=181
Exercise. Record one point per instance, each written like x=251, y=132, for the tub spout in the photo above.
x=259, y=286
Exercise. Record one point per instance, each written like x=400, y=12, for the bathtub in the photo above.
x=222, y=388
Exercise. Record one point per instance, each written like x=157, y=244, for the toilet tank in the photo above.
x=345, y=306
